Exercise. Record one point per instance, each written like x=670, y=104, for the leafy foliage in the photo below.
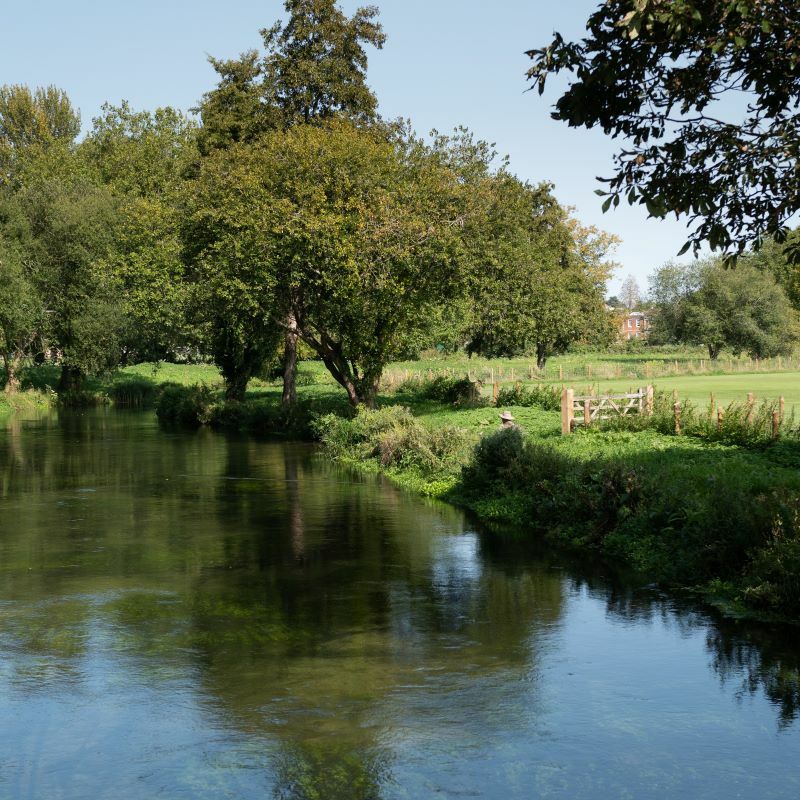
x=742, y=309
x=543, y=395
x=313, y=68
x=705, y=95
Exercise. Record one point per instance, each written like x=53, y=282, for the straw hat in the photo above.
x=506, y=416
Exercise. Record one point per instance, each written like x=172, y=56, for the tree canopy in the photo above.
x=744, y=309
x=704, y=95
x=357, y=235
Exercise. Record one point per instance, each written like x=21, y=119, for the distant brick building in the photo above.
x=634, y=325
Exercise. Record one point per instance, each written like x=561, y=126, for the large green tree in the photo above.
x=704, y=95
x=744, y=309
x=361, y=236
x=145, y=158
x=32, y=122
x=539, y=277
x=73, y=225
x=313, y=68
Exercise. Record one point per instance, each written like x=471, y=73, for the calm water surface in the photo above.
x=195, y=616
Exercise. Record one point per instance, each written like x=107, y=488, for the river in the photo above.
x=192, y=615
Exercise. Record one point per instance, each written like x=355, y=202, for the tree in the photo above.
x=670, y=288
x=360, y=236
x=539, y=277
x=72, y=224
x=229, y=243
x=314, y=68
x=743, y=309
x=776, y=259
x=145, y=158
x=631, y=296
x=30, y=123
x=705, y=95
x=20, y=313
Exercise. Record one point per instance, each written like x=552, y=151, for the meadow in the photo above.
x=686, y=371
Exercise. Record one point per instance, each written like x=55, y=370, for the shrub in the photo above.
x=190, y=406
x=133, y=391
x=393, y=437
x=681, y=514
x=444, y=389
x=544, y=396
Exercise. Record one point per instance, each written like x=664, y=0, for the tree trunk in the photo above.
x=713, y=351
x=331, y=354
x=541, y=355
x=236, y=386
x=12, y=380
x=71, y=379
x=289, y=397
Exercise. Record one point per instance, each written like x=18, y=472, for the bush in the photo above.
x=189, y=406
x=133, y=391
x=543, y=395
x=741, y=424
x=394, y=438
x=684, y=515
x=444, y=389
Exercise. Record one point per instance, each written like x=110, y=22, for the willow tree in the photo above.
x=356, y=234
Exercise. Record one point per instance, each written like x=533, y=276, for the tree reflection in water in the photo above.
x=326, y=624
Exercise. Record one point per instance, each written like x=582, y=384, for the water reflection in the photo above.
x=197, y=615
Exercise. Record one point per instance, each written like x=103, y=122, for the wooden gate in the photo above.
x=586, y=409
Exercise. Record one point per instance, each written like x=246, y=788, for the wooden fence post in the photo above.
x=676, y=409
x=567, y=400
x=587, y=413
x=750, y=402
x=720, y=416
x=776, y=424
x=495, y=392
x=781, y=406
x=648, y=400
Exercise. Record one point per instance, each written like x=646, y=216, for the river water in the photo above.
x=189, y=615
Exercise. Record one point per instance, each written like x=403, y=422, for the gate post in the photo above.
x=567, y=400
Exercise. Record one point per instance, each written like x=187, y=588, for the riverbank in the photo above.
x=719, y=519
x=716, y=511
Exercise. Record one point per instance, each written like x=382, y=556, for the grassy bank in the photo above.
x=683, y=511
x=716, y=510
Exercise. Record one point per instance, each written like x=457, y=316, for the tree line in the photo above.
x=285, y=217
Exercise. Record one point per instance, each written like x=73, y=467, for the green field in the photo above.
x=686, y=371
x=694, y=384
x=725, y=388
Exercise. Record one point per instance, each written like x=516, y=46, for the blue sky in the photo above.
x=445, y=63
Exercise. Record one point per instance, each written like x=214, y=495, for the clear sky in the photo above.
x=445, y=63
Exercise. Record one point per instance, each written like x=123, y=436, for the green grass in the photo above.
x=726, y=388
